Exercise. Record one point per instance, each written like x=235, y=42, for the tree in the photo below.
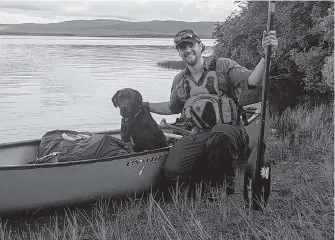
x=306, y=35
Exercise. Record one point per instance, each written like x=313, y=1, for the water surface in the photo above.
x=49, y=83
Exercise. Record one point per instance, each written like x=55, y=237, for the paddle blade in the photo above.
x=256, y=189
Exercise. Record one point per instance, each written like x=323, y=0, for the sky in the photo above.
x=14, y=12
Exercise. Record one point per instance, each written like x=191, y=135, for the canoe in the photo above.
x=26, y=187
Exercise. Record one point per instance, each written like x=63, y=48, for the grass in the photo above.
x=300, y=206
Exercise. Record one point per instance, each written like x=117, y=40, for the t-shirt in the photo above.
x=225, y=68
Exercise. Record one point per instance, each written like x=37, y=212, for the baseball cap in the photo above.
x=186, y=35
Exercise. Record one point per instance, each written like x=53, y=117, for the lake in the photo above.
x=55, y=82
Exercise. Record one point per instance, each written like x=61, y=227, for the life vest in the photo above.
x=208, y=104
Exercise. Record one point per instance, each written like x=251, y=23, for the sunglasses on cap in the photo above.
x=186, y=36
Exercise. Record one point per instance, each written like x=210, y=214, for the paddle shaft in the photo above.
x=261, y=144
x=171, y=135
x=163, y=124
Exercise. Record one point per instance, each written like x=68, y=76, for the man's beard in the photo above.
x=191, y=62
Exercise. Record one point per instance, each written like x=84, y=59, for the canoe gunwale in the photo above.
x=86, y=161
x=20, y=143
x=37, y=141
x=253, y=117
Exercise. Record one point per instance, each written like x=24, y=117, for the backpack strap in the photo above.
x=240, y=109
x=187, y=88
x=220, y=109
x=199, y=122
x=212, y=65
x=210, y=80
x=210, y=85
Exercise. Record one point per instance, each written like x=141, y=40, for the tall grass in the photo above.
x=300, y=205
x=308, y=132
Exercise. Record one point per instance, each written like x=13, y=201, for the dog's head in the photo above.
x=129, y=101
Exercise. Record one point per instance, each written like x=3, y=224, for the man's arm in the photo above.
x=269, y=39
x=174, y=106
x=160, y=108
x=256, y=76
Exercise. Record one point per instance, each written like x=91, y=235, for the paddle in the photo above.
x=257, y=175
x=164, y=124
x=174, y=136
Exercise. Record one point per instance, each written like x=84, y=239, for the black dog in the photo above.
x=137, y=126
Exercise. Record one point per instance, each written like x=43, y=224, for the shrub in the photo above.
x=328, y=71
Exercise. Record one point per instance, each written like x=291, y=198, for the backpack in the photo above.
x=204, y=110
x=67, y=145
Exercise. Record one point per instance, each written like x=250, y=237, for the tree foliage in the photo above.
x=328, y=71
x=305, y=30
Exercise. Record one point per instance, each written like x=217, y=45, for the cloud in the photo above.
x=134, y=10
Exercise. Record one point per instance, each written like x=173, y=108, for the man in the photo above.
x=212, y=151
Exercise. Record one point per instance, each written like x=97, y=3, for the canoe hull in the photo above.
x=51, y=185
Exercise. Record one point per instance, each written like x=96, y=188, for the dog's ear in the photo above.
x=138, y=96
x=115, y=99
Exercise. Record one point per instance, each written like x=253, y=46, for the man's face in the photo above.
x=190, y=52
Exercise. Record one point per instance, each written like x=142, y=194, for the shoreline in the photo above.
x=102, y=36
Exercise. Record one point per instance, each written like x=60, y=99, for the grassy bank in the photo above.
x=300, y=204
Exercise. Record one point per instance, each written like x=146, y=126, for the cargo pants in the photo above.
x=208, y=155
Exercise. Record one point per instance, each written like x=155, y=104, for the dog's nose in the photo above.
x=125, y=109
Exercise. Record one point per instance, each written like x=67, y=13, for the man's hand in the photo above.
x=146, y=105
x=270, y=39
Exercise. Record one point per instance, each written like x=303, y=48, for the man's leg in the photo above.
x=184, y=155
x=225, y=145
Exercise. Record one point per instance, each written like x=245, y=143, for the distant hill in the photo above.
x=108, y=28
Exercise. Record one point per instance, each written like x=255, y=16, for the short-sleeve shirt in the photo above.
x=225, y=68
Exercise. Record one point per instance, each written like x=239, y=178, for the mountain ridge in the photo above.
x=109, y=28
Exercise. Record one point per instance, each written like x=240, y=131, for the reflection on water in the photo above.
x=49, y=83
